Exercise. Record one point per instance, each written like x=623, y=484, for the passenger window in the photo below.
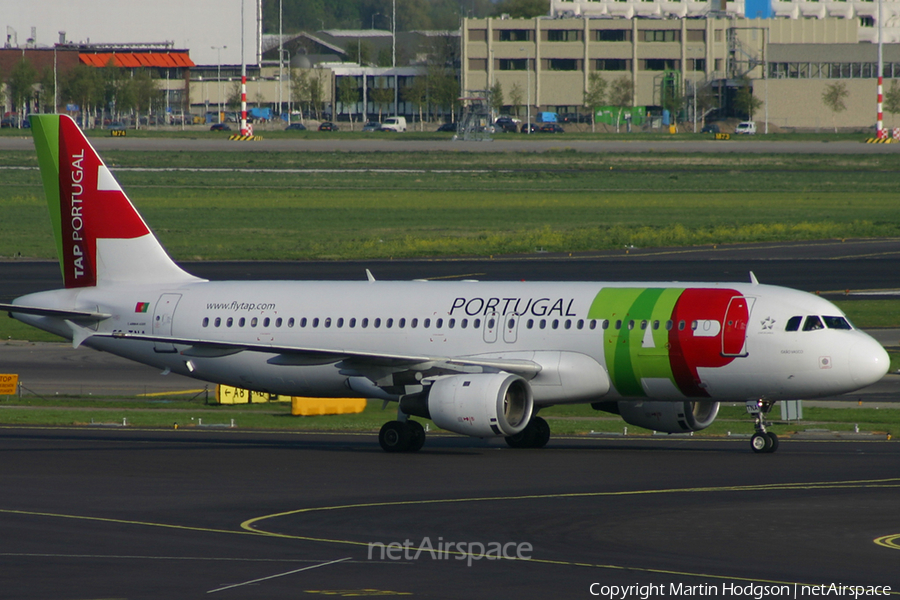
x=490, y=323
x=593, y=324
x=377, y=323
x=644, y=325
x=365, y=323
x=511, y=324
x=630, y=325
x=229, y=322
x=291, y=322
x=427, y=323
x=242, y=322
x=440, y=323
x=253, y=322
x=619, y=324
x=837, y=323
x=352, y=322
x=414, y=323
x=464, y=323
x=451, y=323
x=206, y=321
x=340, y=322
x=605, y=324
x=402, y=323
x=568, y=324
x=315, y=322
x=669, y=325
x=812, y=323
x=530, y=324
x=543, y=324
x=680, y=325
x=303, y=322
x=266, y=322
x=477, y=324
x=389, y=323
x=655, y=325
x=580, y=324
x=555, y=323
x=218, y=322
x=278, y=322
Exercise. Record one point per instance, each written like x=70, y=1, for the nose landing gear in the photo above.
x=762, y=442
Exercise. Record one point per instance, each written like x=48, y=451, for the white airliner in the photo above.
x=479, y=359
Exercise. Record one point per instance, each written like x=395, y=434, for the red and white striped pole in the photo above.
x=879, y=125
x=244, y=130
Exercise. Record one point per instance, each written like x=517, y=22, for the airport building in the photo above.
x=787, y=63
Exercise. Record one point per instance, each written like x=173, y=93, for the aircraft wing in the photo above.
x=372, y=365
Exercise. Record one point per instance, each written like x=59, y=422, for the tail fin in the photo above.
x=100, y=237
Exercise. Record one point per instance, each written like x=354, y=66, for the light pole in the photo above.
x=527, y=93
x=218, y=50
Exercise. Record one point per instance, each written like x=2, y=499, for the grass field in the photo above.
x=429, y=204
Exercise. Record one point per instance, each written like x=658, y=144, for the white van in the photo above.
x=394, y=124
x=746, y=128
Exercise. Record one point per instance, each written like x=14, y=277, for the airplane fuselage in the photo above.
x=662, y=341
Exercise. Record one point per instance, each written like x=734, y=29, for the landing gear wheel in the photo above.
x=761, y=442
x=542, y=432
x=774, y=440
x=416, y=436
x=395, y=437
x=535, y=435
x=523, y=439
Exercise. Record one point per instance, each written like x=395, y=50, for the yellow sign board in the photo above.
x=723, y=136
x=299, y=406
x=8, y=384
x=225, y=394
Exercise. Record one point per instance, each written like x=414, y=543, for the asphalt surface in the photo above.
x=206, y=142
x=89, y=513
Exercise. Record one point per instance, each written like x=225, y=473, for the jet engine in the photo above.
x=480, y=405
x=669, y=417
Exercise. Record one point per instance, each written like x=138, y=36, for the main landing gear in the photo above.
x=402, y=436
x=535, y=435
x=762, y=441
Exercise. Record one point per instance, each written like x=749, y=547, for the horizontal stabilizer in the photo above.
x=77, y=315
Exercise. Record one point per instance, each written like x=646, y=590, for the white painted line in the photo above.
x=228, y=587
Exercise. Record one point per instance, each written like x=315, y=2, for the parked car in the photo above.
x=397, y=124
x=525, y=128
x=328, y=126
x=453, y=127
x=551, y=128
x=710, y=128
x=746, y=128
x=371, y=126
x=220, y=127
x=295, y=127
x=506, y=125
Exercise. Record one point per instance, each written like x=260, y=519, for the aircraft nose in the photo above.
x=869, y=361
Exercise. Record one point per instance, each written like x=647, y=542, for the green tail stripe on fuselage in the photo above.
x=45, y=130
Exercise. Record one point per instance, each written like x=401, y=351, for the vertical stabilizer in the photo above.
x=100, y=237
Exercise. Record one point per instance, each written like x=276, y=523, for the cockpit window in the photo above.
x=793, y=324
x=812, y=323
x=837, y=323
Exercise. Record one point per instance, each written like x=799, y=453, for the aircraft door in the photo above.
x=734, y=328
x=492, y=325
x=162, y=320
x=510, y=328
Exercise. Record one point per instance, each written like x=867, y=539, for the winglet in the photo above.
x=369, y=275
x=79, y=333
x=753, y=279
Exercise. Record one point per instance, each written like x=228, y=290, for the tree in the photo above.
x=516, y=96
x=833, y=98
x=892, y=99
x=745, y=103
x=417, y=94
x=20, y=85
x=348, y=96
x=595, y=96
x=522, y=9
x=47, y=96
x=359, y=51
x=497, y=97
x=83, y=86
x=381, y=97
x=146, y=91
x=621, y=95
x=317, y=90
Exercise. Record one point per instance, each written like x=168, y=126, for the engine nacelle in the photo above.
x=670, y=417
x=481, y=405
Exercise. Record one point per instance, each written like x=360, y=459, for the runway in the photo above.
x=159, y=514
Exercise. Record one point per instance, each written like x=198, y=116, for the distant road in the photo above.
x=396, y=143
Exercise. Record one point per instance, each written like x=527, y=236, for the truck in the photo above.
x=746, y=128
